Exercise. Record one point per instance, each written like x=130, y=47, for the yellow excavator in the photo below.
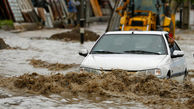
x=145, y=15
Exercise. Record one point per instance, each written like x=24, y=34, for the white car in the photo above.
x=135, y=51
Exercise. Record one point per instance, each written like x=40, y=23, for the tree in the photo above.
x=175, y=4
x=186, y=5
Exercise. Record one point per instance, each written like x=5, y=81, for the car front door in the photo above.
x=178, y=64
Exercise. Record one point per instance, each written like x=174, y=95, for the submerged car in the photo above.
x=146, y=52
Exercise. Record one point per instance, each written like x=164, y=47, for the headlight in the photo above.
x=89, y=70
x=156, y=72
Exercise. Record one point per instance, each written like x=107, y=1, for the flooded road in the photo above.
x=33, y=45
x=72, y=102
x=11, y=60
x=116, y=89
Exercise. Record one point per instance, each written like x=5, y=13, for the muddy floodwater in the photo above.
x=98, y=88
x=34, y=73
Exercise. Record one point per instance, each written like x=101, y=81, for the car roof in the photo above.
x=138, y=32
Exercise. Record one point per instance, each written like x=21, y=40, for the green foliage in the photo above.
x=8, y=23
x=181, y=1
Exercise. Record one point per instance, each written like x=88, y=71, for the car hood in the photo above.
x=131, y=62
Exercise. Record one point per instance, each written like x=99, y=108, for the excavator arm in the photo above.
x=120, y=10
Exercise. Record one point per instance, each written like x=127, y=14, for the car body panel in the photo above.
x=132, y=62
x=137, y=62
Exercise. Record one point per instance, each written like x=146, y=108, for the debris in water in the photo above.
x=51, y=66
x=16, y=48
x=190, y=103
x=191, y=70
x=147, y=89
x=191, y=73
x=74, y=35
x=3, y=96
x=3, y=45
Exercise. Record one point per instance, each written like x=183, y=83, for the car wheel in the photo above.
x=168, y=75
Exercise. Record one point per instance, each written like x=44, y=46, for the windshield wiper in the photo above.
x=105, y=52
x=141, y=52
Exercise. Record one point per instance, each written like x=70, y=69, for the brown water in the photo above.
x=74, y=35
x=116, y=85
x=51, y=66
x=94, y=91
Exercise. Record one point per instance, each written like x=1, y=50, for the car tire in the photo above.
x=168, y=76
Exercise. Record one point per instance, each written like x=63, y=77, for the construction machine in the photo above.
x=144, y=15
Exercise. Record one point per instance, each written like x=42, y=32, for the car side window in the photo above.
x=166, y=35
x=176, y=47
x=171, y=47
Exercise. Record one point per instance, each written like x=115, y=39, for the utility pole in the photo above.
x=186, y=14
x=82, y=22
x=181, y=17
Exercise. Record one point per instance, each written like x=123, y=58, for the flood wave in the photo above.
x=144, y=88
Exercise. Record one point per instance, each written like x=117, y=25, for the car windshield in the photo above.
x=130, y=44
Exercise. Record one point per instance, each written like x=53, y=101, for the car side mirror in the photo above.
x=83, y=52
x=177, y=53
